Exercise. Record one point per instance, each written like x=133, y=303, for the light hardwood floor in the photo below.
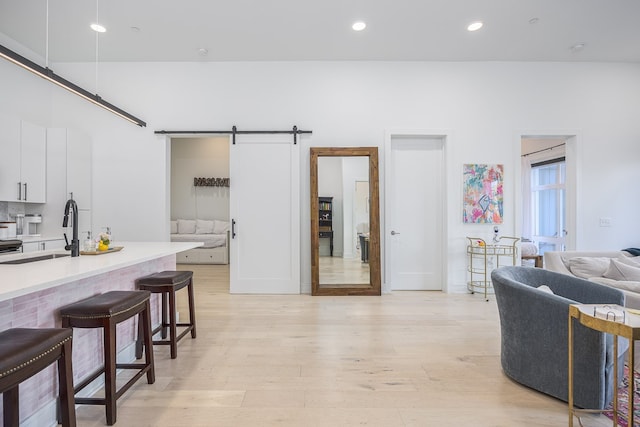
x=403, y=359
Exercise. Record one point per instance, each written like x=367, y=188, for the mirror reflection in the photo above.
x=343, y=215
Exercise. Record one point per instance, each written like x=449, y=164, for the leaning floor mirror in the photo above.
x=345, y=221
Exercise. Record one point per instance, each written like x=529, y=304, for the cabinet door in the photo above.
x=30, y=247
x=33, y=163
x=79, y=168
x=53, y=244
x=10, y=157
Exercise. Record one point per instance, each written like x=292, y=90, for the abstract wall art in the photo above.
x=482, y=192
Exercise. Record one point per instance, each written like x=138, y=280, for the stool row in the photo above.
x=24, y=352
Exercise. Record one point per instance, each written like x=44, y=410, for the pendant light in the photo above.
x=48, y=74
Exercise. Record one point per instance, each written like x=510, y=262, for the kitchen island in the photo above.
x=31, y=295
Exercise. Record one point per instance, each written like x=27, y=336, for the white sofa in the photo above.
x=214, y=235
x=617, y=269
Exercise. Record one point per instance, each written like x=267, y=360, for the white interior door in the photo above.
x=265, y=212
x=414, y=220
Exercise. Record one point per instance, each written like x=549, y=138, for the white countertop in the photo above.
x=22, y=279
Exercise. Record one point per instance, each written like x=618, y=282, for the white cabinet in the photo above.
x=204, y=256
x=23, y=161
x=74, y=149
x=10, y=157
x=68, y=171
x=42, y=246
x=33, y=163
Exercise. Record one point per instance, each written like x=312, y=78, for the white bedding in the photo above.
x=209, y=240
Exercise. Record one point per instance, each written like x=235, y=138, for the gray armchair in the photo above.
x=534, y=349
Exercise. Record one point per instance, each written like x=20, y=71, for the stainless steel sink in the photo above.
x=35, y=258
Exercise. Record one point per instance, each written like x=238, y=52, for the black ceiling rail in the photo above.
x=234, y=131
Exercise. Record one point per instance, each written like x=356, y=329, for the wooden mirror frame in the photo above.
x=374, y=286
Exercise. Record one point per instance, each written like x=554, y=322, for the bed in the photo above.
x=214, y=234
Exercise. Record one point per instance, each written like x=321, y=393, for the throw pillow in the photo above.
x=174, y=227
x=204, y=226
x=220, y=227
x=186, y=226
x=619, y=271
x=545, y=288
x=633, y=261
x=586, y=267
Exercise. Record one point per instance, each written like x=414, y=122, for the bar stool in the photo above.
x=25, y=352
x=106, y=311
x=167, y=283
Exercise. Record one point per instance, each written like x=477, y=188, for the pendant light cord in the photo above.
x=46, y=38
x=97, y=34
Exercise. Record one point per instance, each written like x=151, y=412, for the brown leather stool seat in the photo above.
x=25, y=352
x=106, y=311
x=167, y=283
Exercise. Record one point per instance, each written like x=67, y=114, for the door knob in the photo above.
x=393, y=233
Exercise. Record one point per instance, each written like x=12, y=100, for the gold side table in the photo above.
x=629, y=328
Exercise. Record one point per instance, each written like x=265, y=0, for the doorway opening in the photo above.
x=199, y=205
x=548, y=188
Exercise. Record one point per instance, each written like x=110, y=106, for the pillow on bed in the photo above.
x=186, y=226
x=174, y=227
x=204, y=226
x=220, y=227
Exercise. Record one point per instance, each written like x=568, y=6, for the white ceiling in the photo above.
x=281, y=30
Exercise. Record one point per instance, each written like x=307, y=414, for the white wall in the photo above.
x=484, y=106
x=199, y=158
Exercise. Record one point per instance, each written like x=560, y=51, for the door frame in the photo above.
x=573, y=156
x=446, y=136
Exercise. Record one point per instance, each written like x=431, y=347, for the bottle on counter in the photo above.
x=89, y=244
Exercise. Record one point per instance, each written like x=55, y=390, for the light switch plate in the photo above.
x=605, y=222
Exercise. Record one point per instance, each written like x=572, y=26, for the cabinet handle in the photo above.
x=25, y=191
x=19, y=191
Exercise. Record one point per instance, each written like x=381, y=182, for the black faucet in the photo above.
x=75, y=242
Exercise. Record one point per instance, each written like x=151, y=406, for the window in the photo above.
x=547, y=201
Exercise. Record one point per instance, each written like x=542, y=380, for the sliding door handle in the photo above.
x=233, y=228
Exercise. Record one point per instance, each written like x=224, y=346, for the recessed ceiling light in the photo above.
x=203, y=51
x=135, y=29
x=98, y=28
x=475, y=26
x=359, y=26
x=534, y=21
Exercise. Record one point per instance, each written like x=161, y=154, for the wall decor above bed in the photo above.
x=210, y=182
